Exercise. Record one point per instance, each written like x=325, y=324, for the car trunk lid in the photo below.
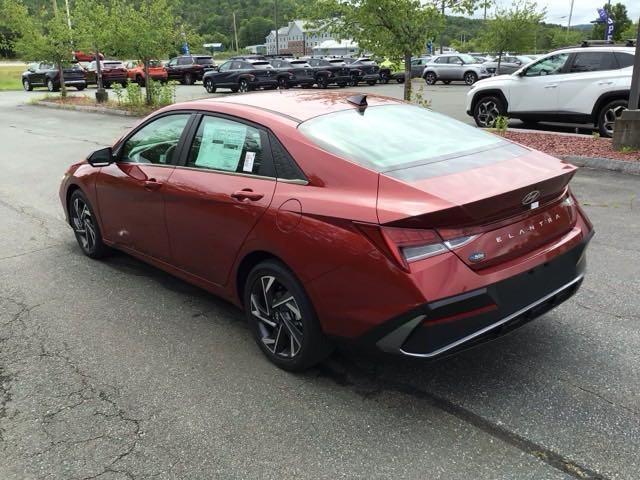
x=506, y=198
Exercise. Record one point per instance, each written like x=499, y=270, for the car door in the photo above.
x=40, y=75
x=224, y=185
x=455, y=68
x=131, y=191
x=440, y=66
x=172, y=71
x=536, y=89
x=221, y=78
x=588, y=77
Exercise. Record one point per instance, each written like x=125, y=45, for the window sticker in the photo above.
x=248, y=162
x=221, y=146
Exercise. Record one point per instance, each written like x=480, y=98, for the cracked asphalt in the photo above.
x=115, y=370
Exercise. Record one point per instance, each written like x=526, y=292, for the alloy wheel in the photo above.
x=278, y=316
x=470, y=78
x=282, y=83
x=244, y=86
x=26, y=85
x=610, y=117
x=430, y=78
x=488, y=112
x=50, y=85
x=83, y=224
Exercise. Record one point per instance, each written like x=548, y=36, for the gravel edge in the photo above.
x=85, y=108
x=631, y=168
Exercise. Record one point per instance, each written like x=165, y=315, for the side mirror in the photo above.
x=101, y=158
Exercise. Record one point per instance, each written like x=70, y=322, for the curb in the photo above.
x=631, y=168
x=85, y=108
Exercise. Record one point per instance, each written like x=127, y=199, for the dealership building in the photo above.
x=298, y=39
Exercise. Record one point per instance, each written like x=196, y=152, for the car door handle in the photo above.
x=247, y=194
x=551, y=85
x=152, y=184
x=605, y=83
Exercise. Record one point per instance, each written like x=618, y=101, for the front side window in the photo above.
x=184, y=61
x=228, y=146
x=593, y=62
x=173, y=62
x=225, y=67
x=552, y=65
x=156, y=142
x=440, y=60
x=390, y=137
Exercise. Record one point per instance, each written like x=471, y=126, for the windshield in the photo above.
x=204, y=60
x=467, y=58
x=390, y=137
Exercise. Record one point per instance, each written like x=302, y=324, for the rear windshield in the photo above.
x=390, y=137
x=204, y=60
x=113, y=64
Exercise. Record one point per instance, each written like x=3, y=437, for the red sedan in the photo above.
x=327, y=216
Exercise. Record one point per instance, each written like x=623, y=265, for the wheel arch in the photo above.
x=245, y=266
x=605, y=98
x=496, y=92
x=70, y=191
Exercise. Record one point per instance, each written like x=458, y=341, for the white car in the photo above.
x=588, y=84
x=453, y=67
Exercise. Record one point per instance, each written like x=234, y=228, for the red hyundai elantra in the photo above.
x=329, y=216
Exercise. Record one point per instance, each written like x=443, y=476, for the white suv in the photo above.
x=588, y=84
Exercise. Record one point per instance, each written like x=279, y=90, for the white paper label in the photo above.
x=248, y=161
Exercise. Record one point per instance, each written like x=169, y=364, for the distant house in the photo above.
x=339, y=48
x=297, y=39
x=257, y=49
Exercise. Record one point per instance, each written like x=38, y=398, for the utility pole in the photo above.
x=634, y=95
x=275, y=20
x=626, y=132
x=569, y=22
x=235, y=32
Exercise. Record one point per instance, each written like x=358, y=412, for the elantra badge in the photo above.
x=477, y=257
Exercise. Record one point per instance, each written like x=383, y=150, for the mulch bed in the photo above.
x=571, y=145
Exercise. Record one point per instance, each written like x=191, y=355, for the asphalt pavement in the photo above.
x=115, y=370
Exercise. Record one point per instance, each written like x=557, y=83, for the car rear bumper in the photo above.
x=75, y=83
x=447, y=325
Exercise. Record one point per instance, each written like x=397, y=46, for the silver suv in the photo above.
x=454, y=67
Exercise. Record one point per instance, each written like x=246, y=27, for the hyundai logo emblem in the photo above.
x=531, y=197
x=477, y=257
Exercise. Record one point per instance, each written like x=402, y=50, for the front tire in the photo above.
x=384, y=78
x=283, y=83
x=80, y=87
x=431, y=78
x=282, y=319
x=487, y=110
x=51, y=86
x=371, y=83
x=188, y=79
x=209, y=85
x=85, y=226
x=470, y=78
x=243, y=86
x=323, y=82
x=608, y=115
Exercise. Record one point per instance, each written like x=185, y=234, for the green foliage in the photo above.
x=254, y=31
x=388, y=28
x=133, y=98
x=617, y=12
x=630, y=32
x=512, y=29
x=419, y=98
x=502, y=124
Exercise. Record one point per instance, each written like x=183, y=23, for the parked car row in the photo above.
x=245, y=73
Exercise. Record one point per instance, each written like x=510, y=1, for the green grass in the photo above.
x=10, y=77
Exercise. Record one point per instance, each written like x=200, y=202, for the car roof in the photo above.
x=298, y=106
x=599, y=48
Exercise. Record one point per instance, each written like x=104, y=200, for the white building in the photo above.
x=339, y=48
x=296, y=39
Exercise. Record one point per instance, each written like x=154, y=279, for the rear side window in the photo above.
x=156, y=142
x=624, y=59
x=184, y=61
x=229, y=146
x=593, y=62
x=286, y=167
x=390, y=137
x=204, y=60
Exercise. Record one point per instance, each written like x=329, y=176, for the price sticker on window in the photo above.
x=248, y=161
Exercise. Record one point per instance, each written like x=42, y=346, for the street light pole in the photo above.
x=569, y=22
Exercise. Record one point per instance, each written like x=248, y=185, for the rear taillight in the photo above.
x=407, y=245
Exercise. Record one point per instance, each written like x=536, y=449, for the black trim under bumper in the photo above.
x=459, y=322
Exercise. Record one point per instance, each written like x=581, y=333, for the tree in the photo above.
x=255, y=30
x=630, y=32
x=45, y=37
x=513, y=29
x=560, y=37
x=621, y=22
x=395, y=29
x=456, y=6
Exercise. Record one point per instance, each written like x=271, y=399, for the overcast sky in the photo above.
x=583, y=10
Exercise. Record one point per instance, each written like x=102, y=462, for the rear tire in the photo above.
x=140, y=80
x=282, y=319
x=85, y=226
x=80, y=87
x=27, y=85
x=371, y=83
x=188, y=79
x=384, y=78
x=487, y=110
x=431, y=78
x=323, y=82
x=243, y=86
x=283, y=83
x=353, y=82
x=52, y=86
x=608, y=115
